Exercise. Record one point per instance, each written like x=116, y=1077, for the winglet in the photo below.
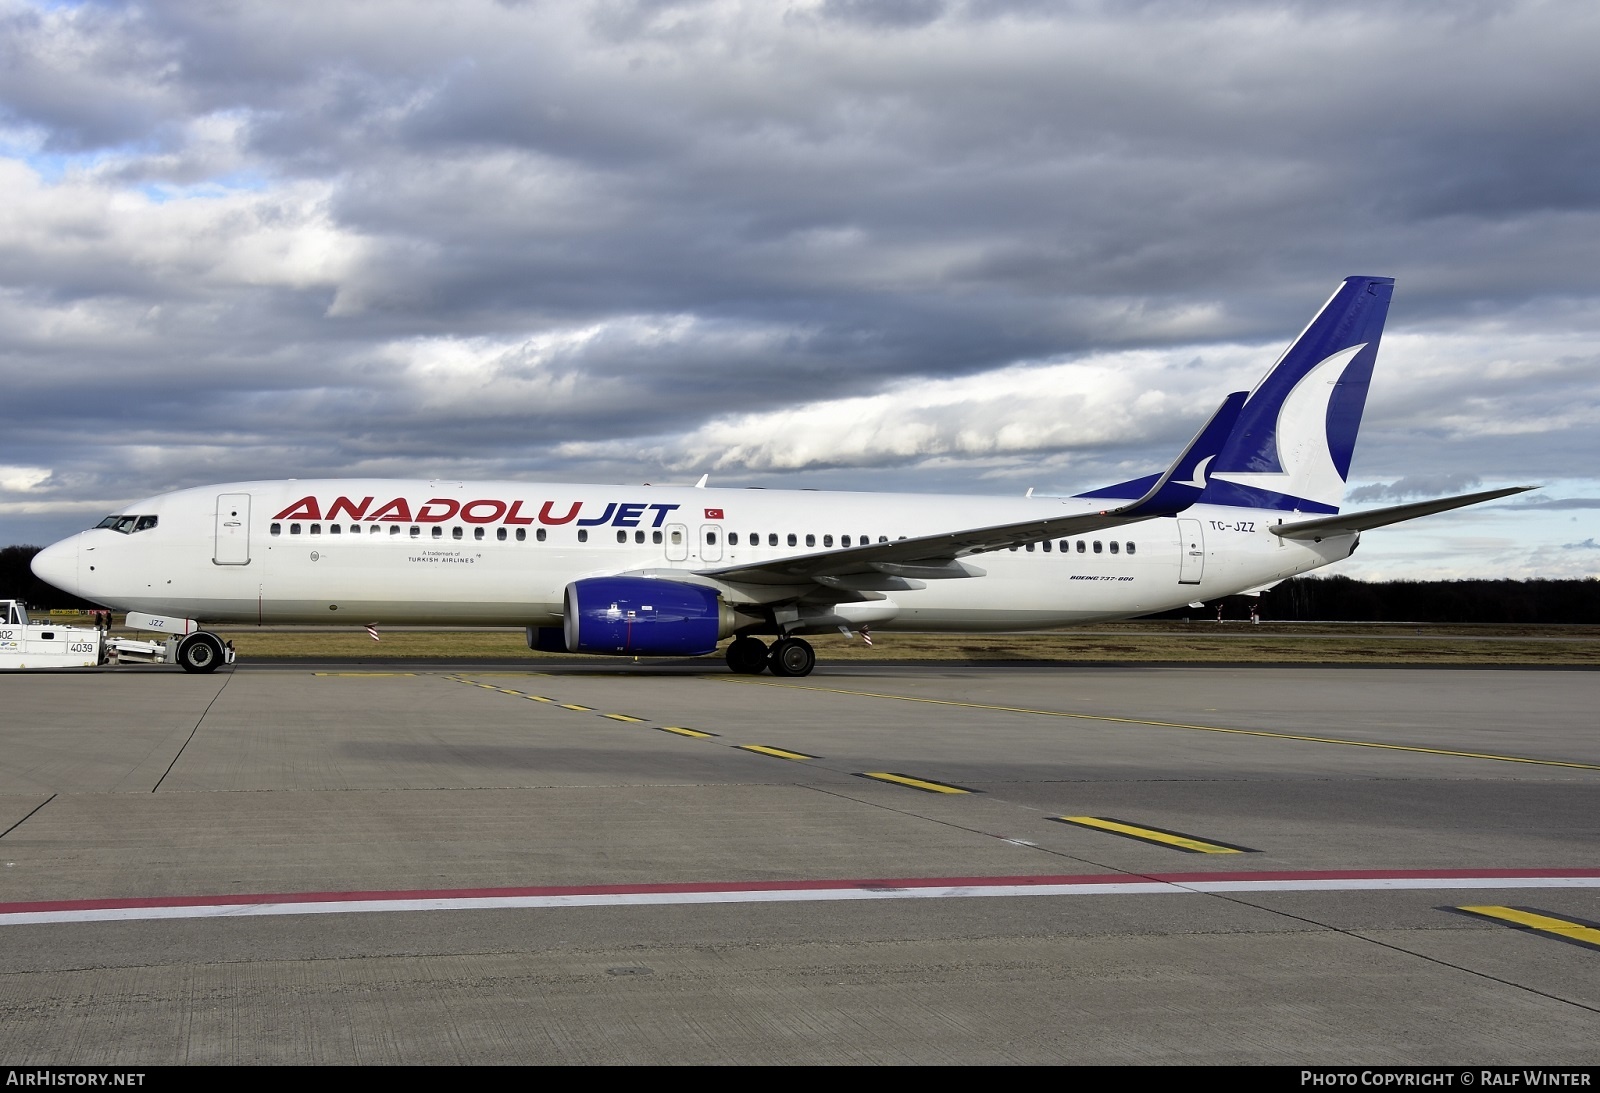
x=1184, y=481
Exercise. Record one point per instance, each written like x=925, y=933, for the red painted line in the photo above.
x=251, y=899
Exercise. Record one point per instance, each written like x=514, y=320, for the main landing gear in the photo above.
x=747, y=656
x=787, y=657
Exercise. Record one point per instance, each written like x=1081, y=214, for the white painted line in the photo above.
x=663, y=895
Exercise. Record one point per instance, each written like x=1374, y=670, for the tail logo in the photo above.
x=1302, y=438
x=1199, y=479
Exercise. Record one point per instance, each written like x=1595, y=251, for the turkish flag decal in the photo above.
x=713, y=514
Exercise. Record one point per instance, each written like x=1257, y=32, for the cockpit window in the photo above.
x=127, y=525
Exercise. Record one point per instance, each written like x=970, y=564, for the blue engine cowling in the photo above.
x=643, y=617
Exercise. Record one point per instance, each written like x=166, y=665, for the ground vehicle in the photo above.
x=25, y=643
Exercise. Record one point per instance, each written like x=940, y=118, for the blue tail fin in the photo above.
x=1292, y=444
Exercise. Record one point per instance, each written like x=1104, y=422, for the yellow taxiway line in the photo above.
x=778, y=752
x=1579, y=933
x=1177, y=840
x=915, y=783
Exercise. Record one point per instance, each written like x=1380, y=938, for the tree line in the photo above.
x=1299, y=599
x=17, y=582
x=1345, y=599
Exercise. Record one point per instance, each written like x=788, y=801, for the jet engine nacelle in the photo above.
x=644, y=617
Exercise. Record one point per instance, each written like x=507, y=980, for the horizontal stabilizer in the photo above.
x=1327, y=527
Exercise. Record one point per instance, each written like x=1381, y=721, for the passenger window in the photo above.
x=583, y=535
x=316, y=529
x=1113, y=546
x=811, y=540
x=522, y=534
x=1030, y=548
x=277, y=529
x=1063, y=545
x=355, y=529
x=677, y=538
x=438, y=532
x=1097, y=546
x=455, y=533
x=883, y=538
x=394, y=529
x=1080, y=546
x=416, y=532
x=827, y=540
x=711, y=538
x=334, y=529
x=844, y=540
x=1045, y=546
x=622, y=536
x=655, y=537
x=1013, y=548
x=638, y=536
x=733, y=538
x=500, y=533
x=477, y=533
x=1130, y=548
x=792, y=540
x=539, y=535
x=772, y=538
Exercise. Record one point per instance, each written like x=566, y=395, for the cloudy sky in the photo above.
x=931, y=245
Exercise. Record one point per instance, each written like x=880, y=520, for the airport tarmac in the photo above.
x=342, y=863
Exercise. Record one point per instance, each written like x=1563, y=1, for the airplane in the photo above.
x=610, y=570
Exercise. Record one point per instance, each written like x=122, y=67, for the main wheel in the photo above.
x=200, y=652
x=792, y=657
x=747, y=656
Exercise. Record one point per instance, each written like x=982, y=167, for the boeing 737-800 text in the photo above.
x=672, y=571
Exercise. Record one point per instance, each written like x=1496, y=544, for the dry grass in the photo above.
x=1235, y=642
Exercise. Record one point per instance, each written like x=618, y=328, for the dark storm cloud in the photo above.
x=626, y=238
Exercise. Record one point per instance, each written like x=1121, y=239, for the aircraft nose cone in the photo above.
x=58, y=565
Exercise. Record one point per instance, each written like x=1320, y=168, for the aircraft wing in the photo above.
x=1326, y=527
x=888, y=566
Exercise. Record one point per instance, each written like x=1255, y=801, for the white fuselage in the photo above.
x=501, y=553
